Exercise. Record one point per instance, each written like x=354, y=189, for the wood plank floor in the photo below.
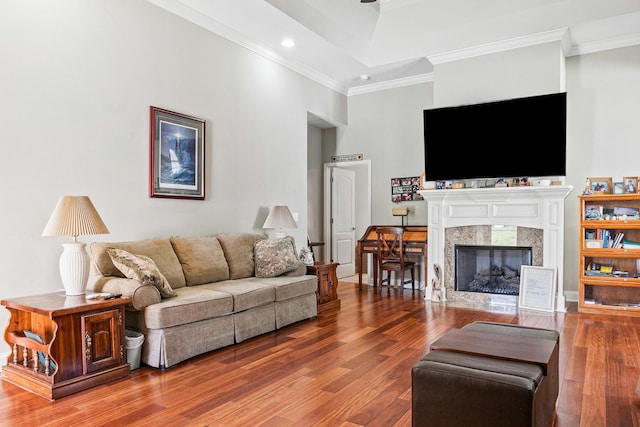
x=348, y=367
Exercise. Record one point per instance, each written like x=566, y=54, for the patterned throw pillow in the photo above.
x=274, y=257
x=141, y=268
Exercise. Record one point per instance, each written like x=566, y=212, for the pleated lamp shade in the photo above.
x=74, y=216
x=280, y=217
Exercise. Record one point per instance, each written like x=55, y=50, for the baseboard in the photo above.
x=571, y=296
x=4, y=356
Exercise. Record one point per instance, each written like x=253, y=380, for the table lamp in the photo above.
x=280, y=217
x=74, y=216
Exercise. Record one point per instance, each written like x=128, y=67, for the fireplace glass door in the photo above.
x=490, y=268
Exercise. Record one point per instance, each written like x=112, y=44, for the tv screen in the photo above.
x=522, y=137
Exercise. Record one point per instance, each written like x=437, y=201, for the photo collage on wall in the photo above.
x=405, y=189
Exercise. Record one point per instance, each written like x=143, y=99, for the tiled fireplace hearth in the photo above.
x=469, y=216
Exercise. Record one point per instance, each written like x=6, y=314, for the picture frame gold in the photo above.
x=630, y=184
x=601, y=185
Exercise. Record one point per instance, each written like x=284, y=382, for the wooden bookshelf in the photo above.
x=609, y=273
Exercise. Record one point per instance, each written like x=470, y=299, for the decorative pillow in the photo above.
x=274, y=257
x=141, y=268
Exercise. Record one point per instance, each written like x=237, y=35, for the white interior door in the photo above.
x=343, y=220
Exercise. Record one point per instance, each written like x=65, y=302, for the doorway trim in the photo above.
x=362, y=168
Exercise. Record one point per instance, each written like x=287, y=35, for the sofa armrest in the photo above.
x=141, y=295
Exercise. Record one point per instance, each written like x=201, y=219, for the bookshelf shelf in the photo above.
x=610, y=254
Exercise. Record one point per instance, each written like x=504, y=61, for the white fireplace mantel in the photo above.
x=533, y=206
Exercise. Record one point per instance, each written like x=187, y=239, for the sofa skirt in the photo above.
x=166, y=347
x=296, y=309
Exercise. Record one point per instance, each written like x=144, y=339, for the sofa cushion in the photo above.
x=193, y=303
x=287, y=287
x=142, y=269
x=274, y=257
x=159, y=250
x=238, y=250
x=202, y=259
x=247, y=293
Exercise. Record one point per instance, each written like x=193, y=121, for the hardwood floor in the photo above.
x=348, y=367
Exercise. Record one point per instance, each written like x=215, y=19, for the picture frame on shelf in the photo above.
x=176, y=155
x=520, y=182
x=630, y=184
x=537, y=288
x=618, y=187
x=601, y=185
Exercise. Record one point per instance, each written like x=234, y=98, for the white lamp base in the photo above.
x=279, y=234
x=74, y=268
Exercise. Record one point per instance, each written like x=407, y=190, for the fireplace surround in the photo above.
x=539, y=208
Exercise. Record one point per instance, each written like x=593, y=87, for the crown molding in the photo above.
x=601, y=45
x=561, y=35
x=391, y=84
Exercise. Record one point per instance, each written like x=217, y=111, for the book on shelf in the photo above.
x=617, y=240
x=628, y=244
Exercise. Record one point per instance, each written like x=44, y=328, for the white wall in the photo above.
x=603, y=104
x=386, y=127
x=76, y=82
x=533, y=70
x=603, y=131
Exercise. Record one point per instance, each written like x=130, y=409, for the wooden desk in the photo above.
x=497, y=345
x=415, y=242
x=83, y=343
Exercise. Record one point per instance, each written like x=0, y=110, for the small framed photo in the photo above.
x=630, y=184
x=176, y=155
x=618, y=187
x=537, y=288
x=444, y=185
x=601, y=185
x=520, y=182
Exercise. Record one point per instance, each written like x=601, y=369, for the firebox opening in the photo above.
x=490, y=268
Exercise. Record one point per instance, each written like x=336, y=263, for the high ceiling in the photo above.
x=395, y=42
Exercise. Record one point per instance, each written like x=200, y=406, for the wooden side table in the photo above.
x=82, y=343
x=327, y=284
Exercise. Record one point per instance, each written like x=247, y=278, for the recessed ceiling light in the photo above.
x=288, y=43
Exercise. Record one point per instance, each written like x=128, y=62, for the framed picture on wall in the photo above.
x=176, y=155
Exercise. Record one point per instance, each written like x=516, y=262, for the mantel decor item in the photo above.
x=279, y=218
x=74, y=216
x=176, y=155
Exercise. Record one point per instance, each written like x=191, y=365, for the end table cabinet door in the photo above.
x=102, y=344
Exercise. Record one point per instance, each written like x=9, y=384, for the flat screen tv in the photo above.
x=521, y=137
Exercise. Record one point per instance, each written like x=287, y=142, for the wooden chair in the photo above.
x=391, y=257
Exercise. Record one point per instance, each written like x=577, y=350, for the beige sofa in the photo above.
x=218, y=297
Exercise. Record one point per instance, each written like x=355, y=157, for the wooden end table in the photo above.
x=83, y=343
x=327, y=284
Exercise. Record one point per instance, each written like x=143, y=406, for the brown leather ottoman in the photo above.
x=451, y=388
